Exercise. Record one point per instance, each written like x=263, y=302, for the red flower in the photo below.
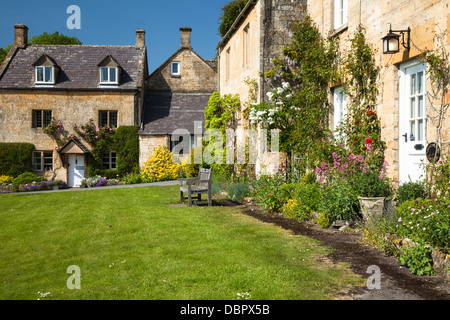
x=371, y=112
x=368, y=140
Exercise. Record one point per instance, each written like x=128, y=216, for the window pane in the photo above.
x=48, y=74
x=39, y=74
x=413, y=84
x=113, y=160
x=420, y=133
x=112, y=74
x=413, y=128
x=104, y=74
x=47, y=117
x=103, y=118
x=48, y=160
x=37, y=118
x=37, y=161
x=413, y=108
x=419, y=82
x=113, y=119
x=420, y=113
x=105, y=162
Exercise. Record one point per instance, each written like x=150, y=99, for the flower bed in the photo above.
x=42, y=186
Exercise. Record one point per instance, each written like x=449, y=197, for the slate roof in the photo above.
x=166, y=112
x=78, y=66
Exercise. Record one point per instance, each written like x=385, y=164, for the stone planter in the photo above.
x=6, y=189
x=371, y=206
x=55, y=187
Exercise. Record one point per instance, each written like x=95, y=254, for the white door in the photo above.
x=76, y=170
x=412, y=122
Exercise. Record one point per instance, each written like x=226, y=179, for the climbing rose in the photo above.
x=368, y=140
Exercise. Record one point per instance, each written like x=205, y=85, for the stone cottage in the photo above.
x=176, y=96
x=407, y=114
x=71, y=84
x=258, y=35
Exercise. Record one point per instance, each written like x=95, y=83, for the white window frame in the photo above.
x=172, y=64
x=107, y=163
x=340, y=13
x=42, y=158
x=340, y=107
x=45, y=70
x=108, y=81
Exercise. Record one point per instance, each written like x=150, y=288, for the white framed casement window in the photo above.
x=44, y=75
x=107, y=118
x=42, y=160
x=108, y=75
x=340, y=108
x=175, y=68
x=340, y=13
x=109, y=161
x=246, y=39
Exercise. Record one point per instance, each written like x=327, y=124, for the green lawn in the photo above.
x=130, y=244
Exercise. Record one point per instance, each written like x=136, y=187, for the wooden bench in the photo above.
x=198, y=185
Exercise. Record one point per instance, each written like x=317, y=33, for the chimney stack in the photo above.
x=20, y=36
x=140, y=38
x=185, y=33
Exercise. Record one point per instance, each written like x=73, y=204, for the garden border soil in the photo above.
x=397, y=282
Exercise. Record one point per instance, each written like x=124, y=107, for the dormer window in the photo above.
x=44, y=74
x=109, y=70
x=108, y=75
x=46, y=70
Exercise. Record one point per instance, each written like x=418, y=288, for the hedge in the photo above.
x=15, y=158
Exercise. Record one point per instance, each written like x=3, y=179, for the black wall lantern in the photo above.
x=391, y=42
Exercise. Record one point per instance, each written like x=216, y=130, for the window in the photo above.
x=183, y=150
x=42, y=160
x=44, y=74
x=107, y=118
x=340, y=107
x=41, y=118
x=227, y=61
x=246, y=39
x=109, y=161
x=108, y=75
x=340, y=13
x=175, y=69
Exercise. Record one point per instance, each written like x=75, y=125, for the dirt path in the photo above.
x=397, y=282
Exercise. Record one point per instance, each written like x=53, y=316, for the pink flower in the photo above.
x=96, y=137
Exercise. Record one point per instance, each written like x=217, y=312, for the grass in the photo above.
x=130, y=244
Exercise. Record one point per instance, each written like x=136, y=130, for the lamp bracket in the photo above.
x=406, y=45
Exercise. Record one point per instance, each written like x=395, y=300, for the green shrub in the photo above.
x=237, y=191
x=133, y=178
x=418, y=259
x=126, y=144
x=26, y=178
x=411, y=191
x=369, y=184
x=15, y=158
x=425, y=221
x=339, y=202
x=309, y=197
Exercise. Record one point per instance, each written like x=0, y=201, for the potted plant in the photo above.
x=83, y=184
x=57, y=184
x=373, y=188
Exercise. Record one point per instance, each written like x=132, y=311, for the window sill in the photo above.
x=175, y=76
x=339, y=30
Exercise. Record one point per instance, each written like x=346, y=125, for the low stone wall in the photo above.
x=6, y=189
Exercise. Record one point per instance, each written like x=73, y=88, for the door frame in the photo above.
x=403, y=150
x=69, y=168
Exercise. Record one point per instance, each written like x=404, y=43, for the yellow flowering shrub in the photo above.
x=160, y=166
x=5, y=179
x=290, y=208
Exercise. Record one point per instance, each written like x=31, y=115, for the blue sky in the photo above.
x=113, y=22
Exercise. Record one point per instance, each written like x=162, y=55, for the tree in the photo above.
x=54, y=38
x=229, y=14
x=45, y=38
